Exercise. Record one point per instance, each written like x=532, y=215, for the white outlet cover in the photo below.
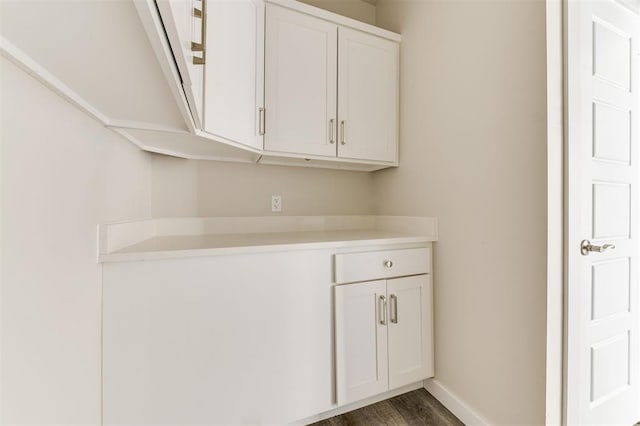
x=276, y=203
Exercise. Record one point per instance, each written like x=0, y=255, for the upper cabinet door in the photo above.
x=234, y=73
x=367, y=96
x=300, y=83
x=410, y=330
x=183, y=29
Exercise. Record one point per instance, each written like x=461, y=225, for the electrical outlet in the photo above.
x=276, y=203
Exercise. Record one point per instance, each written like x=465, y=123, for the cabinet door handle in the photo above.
x=342, y=125
x=394, y=308
x=332, y=130
x=262, y=121
x=202, y=46
x=382, y=310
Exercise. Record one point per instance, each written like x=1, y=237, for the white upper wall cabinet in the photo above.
x=330, y=90
x=218, y=46
x=367, y=96
x=234, y=72
x=293, y=83
x=301, y=78
x=185, y=29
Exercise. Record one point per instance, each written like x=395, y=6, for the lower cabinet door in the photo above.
x=361, y=340
x=384, y=336
x=410, y=330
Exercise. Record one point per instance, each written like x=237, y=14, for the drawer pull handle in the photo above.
x=388, y=264
x=394, y=308
x=382, y=310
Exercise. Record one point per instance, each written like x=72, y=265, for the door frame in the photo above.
x=556, y=192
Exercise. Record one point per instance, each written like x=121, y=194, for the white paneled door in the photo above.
x=602, y=295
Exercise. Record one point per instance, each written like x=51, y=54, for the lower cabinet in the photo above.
x=218, y=340
x=252, y=339
x=383, y=336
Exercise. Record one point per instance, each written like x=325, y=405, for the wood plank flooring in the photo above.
x=416, y=408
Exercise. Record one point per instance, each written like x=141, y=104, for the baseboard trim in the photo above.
x=359, y=404
x=454, y=404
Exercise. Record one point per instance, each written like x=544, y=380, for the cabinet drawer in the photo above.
x=373, y=265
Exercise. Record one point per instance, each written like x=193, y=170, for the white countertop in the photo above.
x=165, y=247
x=179, y=238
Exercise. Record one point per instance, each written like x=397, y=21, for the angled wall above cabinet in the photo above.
x=296, y=84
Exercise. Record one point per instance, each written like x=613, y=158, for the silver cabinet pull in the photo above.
x=382, y=310
x=332, y=129
x=202, y=46
x=388, y=264
x=586, y=247
x=394, y=308
x=263, y=121
x=342, y=140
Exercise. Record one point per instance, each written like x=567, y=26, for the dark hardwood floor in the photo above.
x=417, y=408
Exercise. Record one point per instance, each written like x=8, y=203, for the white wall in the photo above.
x=62, y=174
x=209, y=188
x=473, y=154
x=228, y=189
x=355, y=9
x=175, y=187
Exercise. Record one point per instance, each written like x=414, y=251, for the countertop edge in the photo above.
x=268, y=248
x=114, y=238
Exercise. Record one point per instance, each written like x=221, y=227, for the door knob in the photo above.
x=586, y=247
